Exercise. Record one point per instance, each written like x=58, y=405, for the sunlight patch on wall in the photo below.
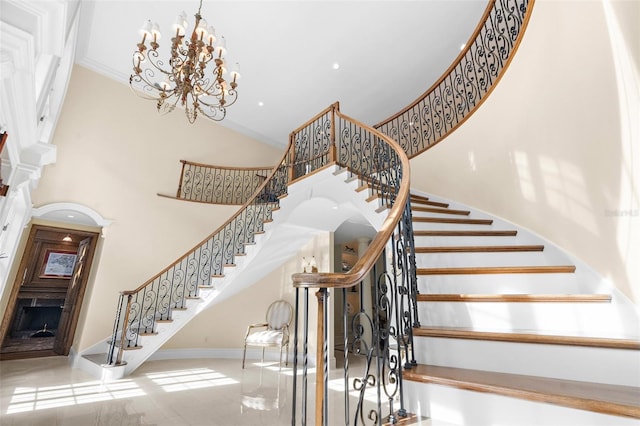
x=524, y=176
x=472, y=161
x=627, y=212
x=565, y=191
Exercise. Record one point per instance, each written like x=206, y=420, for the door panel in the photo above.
x=66, y=323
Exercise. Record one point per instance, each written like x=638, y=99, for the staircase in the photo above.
x=514, y=331
x=321, y=201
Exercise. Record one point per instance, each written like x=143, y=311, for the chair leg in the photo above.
x=244, y=355
x=286, y=364
x=263, y=354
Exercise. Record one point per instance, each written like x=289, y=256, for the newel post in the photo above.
x=332, y=146
x=322, y=364
x=123, y=335
x=181, y=177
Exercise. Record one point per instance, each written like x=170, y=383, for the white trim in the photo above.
x=47, y=210
x=252, y=354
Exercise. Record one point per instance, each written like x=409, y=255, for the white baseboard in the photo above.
x=226, y=353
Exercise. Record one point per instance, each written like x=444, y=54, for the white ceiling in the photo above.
x=389, y=52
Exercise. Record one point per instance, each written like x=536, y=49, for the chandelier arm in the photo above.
x=230, y=98
x=153, y=58
x=143, y=88
x=164, y=107
x=215, y=110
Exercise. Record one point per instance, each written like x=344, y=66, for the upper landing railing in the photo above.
x=218, y=184
x=466, y=84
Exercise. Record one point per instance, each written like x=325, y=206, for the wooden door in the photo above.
x=66, y=329
x=46, y=297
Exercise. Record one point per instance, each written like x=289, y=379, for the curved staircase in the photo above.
x=308, y=207
x=514, y=331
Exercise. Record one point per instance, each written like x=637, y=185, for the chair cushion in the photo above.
x=266, y=337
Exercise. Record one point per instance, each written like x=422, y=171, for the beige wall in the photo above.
x=554, y=148
x=224, y=325
x=114, y=155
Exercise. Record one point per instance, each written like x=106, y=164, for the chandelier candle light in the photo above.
x=185, y=80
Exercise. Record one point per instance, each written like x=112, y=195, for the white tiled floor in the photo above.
x=45, y=391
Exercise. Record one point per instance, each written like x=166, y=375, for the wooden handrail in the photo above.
x=212, y=166
x=448, y=71
x=435, y=121
x=366, y=262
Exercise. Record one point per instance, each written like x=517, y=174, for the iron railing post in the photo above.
x=184, y=163
x=123, y=335
x=322, y=402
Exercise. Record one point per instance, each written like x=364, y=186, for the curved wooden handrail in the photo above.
x=466, y=84
x=377, y=245
x=212, y=166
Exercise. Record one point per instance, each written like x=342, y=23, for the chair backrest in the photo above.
x=279, y=314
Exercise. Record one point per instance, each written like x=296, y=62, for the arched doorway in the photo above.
x=52, y=276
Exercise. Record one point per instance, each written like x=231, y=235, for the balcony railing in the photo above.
x=466, y=84
x=218, y=184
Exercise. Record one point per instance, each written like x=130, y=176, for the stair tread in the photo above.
x=467, y=249
x=441, y=210
x=428, y=202
x=529, y=336
x=99, y=358
x=510, y=298
x=602, y=398
x=416, y=199
x=497, y=270
x=465, y=233
x=430, y=219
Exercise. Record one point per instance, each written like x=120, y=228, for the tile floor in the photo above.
x=47, y=392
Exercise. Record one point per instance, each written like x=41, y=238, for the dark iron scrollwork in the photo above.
x=311, y=145
x=220, y=185
x=139, y=312
x=459, y=92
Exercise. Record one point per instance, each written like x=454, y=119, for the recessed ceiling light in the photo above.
x=462, y=46
x=70, y=216
x=260, y=103
x=336, y=65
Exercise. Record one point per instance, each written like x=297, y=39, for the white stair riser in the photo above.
x=581, y=363
x=594, y=318
x=488, y=283
x=437, y=226
x=498, y=286
x=447, y=406
x=453, y=260
x=436, y=241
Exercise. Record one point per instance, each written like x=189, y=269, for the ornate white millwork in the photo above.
x=36, y=56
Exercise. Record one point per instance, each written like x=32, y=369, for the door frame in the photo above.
x=28, y=262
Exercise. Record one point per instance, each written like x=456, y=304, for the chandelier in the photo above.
x=186, y=80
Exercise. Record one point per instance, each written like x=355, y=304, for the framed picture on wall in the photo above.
x=58, y=263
